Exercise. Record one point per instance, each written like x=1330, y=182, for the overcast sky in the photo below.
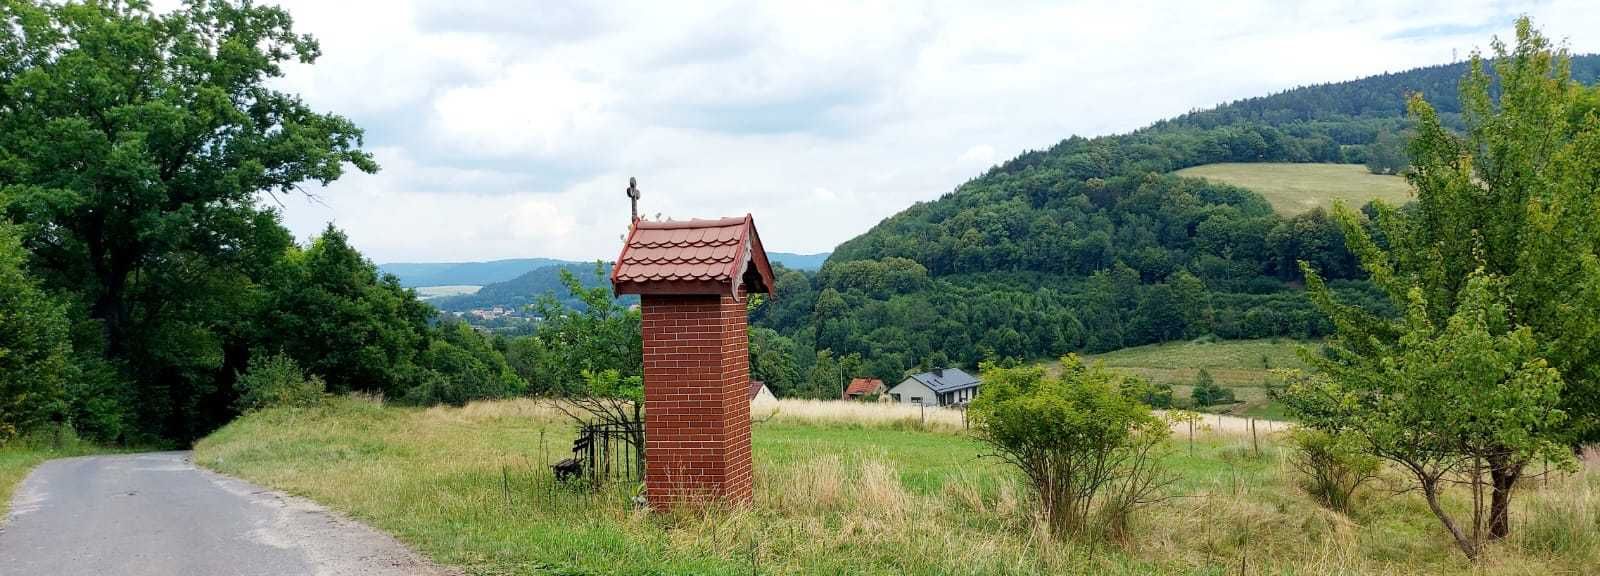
x=509, y=129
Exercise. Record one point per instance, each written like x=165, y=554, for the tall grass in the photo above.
x=846, y=495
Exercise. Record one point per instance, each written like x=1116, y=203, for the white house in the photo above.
x=760, y=393
x=941, y=387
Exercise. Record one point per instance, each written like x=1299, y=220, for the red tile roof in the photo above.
x=692, y=257
x=863, y=387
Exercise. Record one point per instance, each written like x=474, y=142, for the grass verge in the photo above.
x=469, y=488
x=20, y=456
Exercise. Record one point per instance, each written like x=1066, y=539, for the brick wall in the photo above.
x=697, y=409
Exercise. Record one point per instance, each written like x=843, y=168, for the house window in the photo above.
x=916, y=399
x=896, y=396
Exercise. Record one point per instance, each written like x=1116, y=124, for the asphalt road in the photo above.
x=158, y=515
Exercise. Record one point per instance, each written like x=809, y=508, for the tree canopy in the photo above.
x=139, y=152
x=1497, y=268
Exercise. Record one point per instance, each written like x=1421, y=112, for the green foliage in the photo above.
x=1332, y=467
x=133, y=147
x=459, y=366
x=334, y=315
x=276, y=381
x=34, y=346
x=602, y=334
x=1155, y=395
x=772, y=360
x=1443, y=402
x=611, y=384
x=1084, y=447
x=1387, y=154
x=1206, y=391
x=1498, y=267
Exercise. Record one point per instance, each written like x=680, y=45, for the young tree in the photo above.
x=1512, y=202
x=34, y=349
x=1083, y=445
x=601, y=335
x=1206, y=391
x=1449, y=403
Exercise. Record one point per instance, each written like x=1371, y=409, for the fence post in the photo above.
x=1255, y=443
x=1191, y=436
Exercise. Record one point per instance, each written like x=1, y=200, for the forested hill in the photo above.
x=1093, y=245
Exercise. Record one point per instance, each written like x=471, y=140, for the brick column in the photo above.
x=697, y=408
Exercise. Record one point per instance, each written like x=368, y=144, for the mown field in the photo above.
x=431, y=292
x=851, y=494
x=1244, y=365
x=1297, y=188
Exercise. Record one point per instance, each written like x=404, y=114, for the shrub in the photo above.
x=34, y=345
x=277, y=381
x=1154, y=395
x=1331, y=467
x=1088, y=451
x=1208, y=393
x=460, y=366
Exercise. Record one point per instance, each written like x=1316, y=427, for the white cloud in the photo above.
x=510, y=129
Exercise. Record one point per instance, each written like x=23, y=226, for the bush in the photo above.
x=460, y=366
x=34, y=345
x=1331, y=467
x=277, y=381
x=1154, y=395
x=1208, y=393
x=1088, y=451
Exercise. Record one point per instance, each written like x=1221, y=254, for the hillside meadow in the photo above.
x=851, y=491
x=1245, y=366
x=1293, y=188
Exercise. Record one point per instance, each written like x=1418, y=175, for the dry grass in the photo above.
x=855, y=494
x=852, y=413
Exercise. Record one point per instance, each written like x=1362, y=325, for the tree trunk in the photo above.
x=1430, y=492
x=1504, y=475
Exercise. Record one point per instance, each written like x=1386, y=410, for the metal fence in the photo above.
x=604, y=453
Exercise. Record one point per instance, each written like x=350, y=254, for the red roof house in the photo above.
x=693, y=257
x=862, y=387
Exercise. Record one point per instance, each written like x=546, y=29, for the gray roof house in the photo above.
x=941, y=387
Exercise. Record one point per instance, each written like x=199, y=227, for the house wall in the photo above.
x=911, y=388
x=765, y=395
x=961, y=396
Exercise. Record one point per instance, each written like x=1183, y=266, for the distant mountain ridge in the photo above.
x=418, y=274
x=808, y=262
x=415, y=274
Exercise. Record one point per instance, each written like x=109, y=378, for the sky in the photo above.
x=509, y=129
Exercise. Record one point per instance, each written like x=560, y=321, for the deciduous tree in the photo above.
x=1510, y=203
